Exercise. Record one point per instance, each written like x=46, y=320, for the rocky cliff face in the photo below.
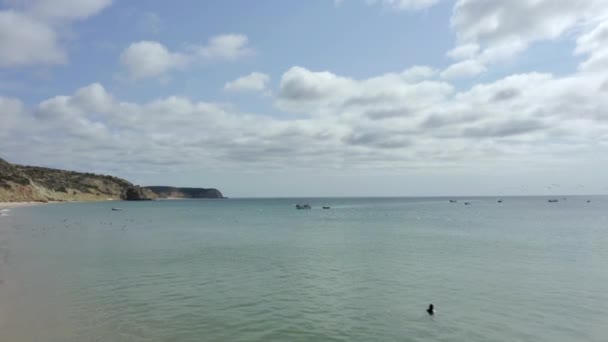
x=137, y=193
x=172, y=192
x=31, y=183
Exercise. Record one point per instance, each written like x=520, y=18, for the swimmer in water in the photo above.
x=431, y=310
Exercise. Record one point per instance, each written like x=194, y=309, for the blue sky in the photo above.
x=348, y=39
x=279, y=98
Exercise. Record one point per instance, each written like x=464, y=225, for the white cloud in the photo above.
x=389, y=95
x=29, y=29
x=595, y=44
x=465, y=51
x=521, y=108
x=418, y=73
x=255, y=81
x=226, y=47
x=25, y=41
x=150, y=59
x=593, y=40
x=410, y=119
x=405, y=4
x=93, y=98
x=389, y=122
x=503, y=29
x=491, y=31
x=147, y=59
x=463, y=69
x=598, y=61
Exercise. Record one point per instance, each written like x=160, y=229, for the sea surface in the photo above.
x=260, y=270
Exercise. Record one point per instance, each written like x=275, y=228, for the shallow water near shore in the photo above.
x=260, y=270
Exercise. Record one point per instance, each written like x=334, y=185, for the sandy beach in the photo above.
x=7, y=205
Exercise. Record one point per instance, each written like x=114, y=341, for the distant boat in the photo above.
x=467, y=203
x=303, y=206
x=499, y=201
x=453, y=201
x=553, y=201
x=588, y=201
x=116, y=209
x=326, y=207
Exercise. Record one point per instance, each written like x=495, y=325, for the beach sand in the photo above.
x=7, y=205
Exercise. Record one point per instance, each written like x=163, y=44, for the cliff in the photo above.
x=40, y=184
x=172, y=192
x=19, y=183
x=137, y=193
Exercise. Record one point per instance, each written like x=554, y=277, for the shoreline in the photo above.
x=9, y=205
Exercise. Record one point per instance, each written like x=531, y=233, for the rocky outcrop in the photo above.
x=137, y=193
x=173, y=192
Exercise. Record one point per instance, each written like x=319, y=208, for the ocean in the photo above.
x=260, y=270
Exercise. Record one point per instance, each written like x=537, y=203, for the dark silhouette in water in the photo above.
x=431, y=310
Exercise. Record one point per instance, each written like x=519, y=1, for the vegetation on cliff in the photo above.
x=19, y=183
x=40, y=184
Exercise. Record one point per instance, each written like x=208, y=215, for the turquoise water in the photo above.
x=259, y=270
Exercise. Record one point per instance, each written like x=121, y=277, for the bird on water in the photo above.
x=431, y=310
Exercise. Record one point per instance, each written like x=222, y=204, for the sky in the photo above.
x=312, y=98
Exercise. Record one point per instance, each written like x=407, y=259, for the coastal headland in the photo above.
x=25, y=185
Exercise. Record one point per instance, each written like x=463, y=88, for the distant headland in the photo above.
x=173, y=192
x=20, y=183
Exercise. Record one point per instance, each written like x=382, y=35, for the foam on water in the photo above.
x=259, y=270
